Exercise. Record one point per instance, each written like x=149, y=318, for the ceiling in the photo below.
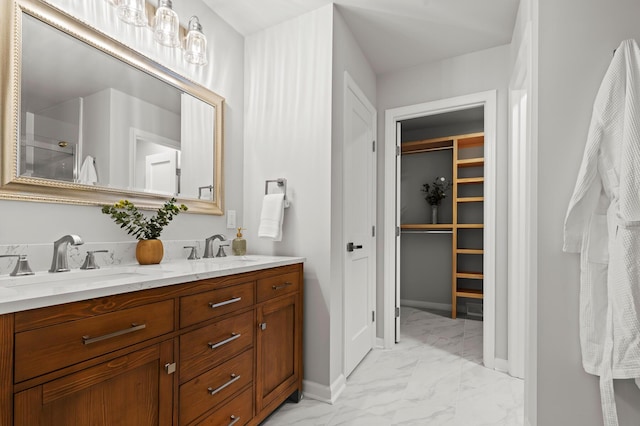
x=393, y=34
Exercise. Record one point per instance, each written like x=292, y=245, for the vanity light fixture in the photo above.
x=166, y=25
x=195, y=45
x=133, y=12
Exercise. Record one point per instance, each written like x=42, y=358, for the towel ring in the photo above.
x=281, y=183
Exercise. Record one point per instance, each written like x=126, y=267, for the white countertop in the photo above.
x=48, y=289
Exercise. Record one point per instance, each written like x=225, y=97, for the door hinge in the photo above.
x=397, y=231
x=373, y=146
x=170, y=368
x=373, y=231
x=373, y=316
x=178, y=172
x=397, y=150
x=397, y=312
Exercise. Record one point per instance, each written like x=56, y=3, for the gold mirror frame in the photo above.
x=14, y=187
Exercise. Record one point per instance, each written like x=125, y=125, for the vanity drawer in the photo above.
x=50, y=348
x=207, y=346
x=208, y=390
x=268, y=288
x=211, y=304
x=236, y=412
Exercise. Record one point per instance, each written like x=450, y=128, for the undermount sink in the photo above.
x=75, y=275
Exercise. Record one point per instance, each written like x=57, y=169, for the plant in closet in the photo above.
x=436, y=190
x=127, y=215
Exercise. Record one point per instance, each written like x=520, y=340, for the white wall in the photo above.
x=288, y=135
x=293, y=129
x=576, y=41
x=462, y=75
x=223, y=75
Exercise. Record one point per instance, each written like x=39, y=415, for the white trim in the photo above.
x=487, y=99
x=379, y=343
x=351, y=85
x=519, y=206
x=328, y=394
x=501, y=365
x=135, y=135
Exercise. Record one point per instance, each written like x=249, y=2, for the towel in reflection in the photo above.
x=88, y=174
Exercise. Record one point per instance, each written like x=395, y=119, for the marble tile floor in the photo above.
x=433, y=377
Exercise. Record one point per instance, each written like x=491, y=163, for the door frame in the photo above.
x=488, y=100
x=519, y=216
x=351, y=85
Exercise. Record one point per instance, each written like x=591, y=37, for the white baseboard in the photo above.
x=501, y=365
x=328, y=394
x=379, y=343
x=425, y=305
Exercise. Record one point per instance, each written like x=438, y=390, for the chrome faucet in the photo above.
x=59, y=262
x=208, y=246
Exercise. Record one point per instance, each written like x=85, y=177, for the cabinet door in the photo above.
x=279, y=350
x=131, y=390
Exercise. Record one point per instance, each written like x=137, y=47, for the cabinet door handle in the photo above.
x=134, y=327
x=262, y=325
x=233, y=337
x=234, y=378
x=278, y=287
x=226, y=302
x=234, y=420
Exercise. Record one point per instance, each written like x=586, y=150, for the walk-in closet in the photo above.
x=441, y=250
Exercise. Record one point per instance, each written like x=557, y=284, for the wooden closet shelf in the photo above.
x=470, y=140
x=426, y=145
x=471, y=162
x=469, y=251
x=470, y=199
x=426, y=226
x=471, y=293
x=470, y=225
x=470, y=275
x=463, y=181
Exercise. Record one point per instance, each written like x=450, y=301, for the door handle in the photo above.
x=352, y=247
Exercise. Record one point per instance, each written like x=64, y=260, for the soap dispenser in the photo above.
x=239, y=244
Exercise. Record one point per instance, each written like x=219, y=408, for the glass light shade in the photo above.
x=166, y=25
x=195, y=47
x=133, y=12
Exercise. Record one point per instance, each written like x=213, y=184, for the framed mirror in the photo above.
x=87, y=120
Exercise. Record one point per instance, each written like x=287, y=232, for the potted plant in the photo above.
x=147, y=230
x=436, y=192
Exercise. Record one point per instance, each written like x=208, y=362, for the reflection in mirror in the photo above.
x=105, y=123
x=89, y=119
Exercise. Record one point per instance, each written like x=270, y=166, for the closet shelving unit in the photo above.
x=465, y=149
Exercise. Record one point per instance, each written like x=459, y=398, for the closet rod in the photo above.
x=427, y=232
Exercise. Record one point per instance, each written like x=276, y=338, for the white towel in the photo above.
x=271, y=217
x=88, y=173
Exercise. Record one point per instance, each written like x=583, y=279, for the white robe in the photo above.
x=603, y=224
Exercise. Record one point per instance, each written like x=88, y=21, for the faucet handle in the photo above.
x=221, y=246
x=193, y=254
x=90, y=260
x=22, y=265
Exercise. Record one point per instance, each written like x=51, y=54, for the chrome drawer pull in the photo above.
x=234, y=379
x=134, y=327
x=233, y=337
x=226, y=302
x=234, y=420
x=278, y=287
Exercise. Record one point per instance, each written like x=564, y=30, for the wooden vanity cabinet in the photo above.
x=218, y=351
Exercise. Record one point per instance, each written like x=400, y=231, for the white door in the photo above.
x=160, y=172
x=359, y=171
x=397, y=239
